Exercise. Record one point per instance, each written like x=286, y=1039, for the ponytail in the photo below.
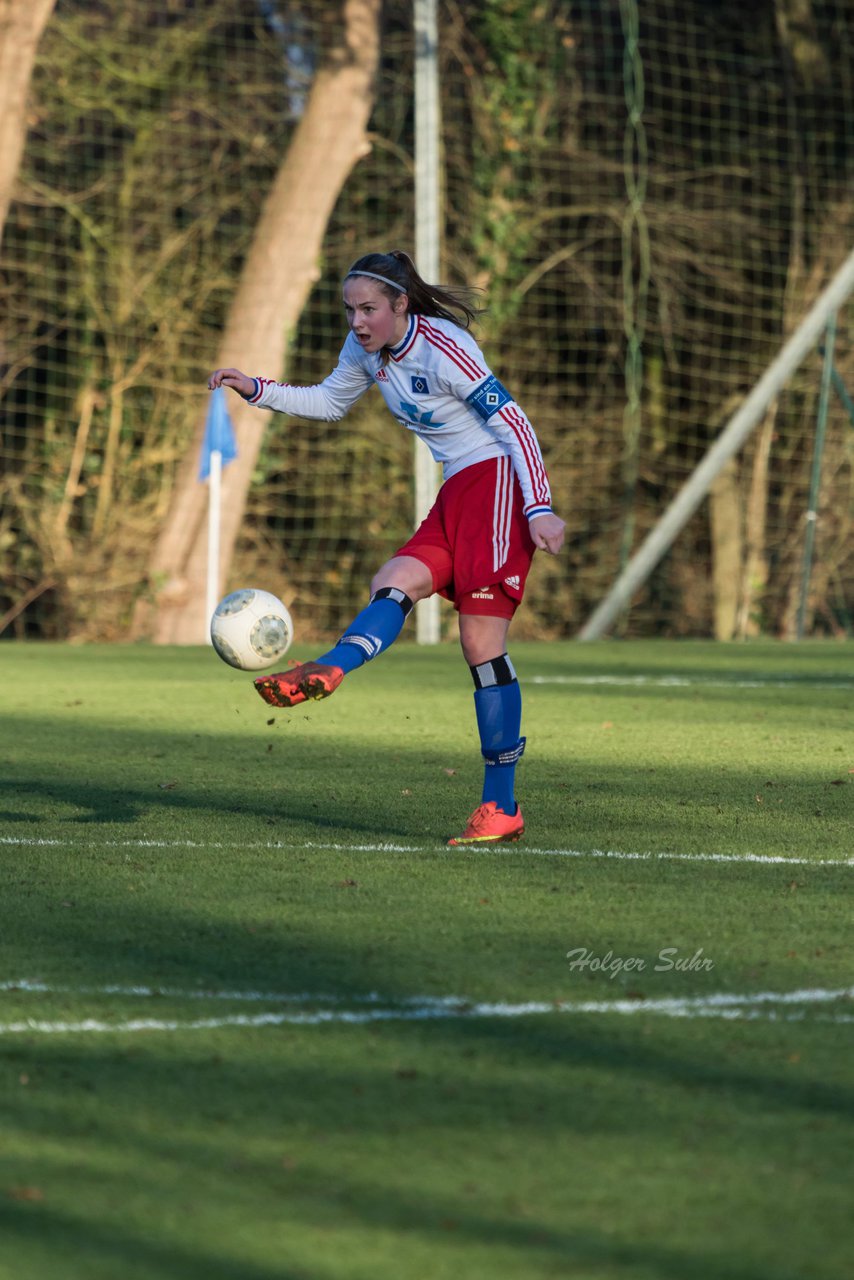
x=395, y=272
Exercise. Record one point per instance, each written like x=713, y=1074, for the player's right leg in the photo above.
x=394, y=591
x=307, y=680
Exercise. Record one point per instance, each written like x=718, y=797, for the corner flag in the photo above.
x=219, y=434
x=218, y=448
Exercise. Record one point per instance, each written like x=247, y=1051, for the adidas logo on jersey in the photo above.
x=382, y=376
x=513, y=581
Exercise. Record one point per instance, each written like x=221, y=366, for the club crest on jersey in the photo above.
x=419, y=385
x=489, y=397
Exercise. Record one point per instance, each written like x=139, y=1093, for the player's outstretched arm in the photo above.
x=548, y=531
x=232, y=378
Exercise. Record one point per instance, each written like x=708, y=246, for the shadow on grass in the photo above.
x=385, y=1152
x=456, y=1240
x=85, y=774
x=411, y=1104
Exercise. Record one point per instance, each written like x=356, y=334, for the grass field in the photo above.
x=259, y=1023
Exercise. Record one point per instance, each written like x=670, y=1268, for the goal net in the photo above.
x=651, y=197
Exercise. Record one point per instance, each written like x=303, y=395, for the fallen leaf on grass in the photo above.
x=25, y=1193
x=168, y=786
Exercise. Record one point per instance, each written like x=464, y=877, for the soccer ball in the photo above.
x=251, y=629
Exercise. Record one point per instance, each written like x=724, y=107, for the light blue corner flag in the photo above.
x=219, y=434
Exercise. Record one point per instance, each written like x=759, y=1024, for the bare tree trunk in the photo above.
x=277, y=277
x=726, y=525
x=21, y=25
x=754, y=577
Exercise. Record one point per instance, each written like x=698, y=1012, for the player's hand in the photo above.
x=548, y=531
x=232, y=378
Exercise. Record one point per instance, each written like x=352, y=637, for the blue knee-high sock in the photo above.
x=498, y=707
x=374, y=629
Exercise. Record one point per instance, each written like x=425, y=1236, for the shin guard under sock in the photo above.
x=498, y=707
x=374, y=629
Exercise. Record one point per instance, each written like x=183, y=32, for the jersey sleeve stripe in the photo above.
x=261, y=385
x=536, y=468
x=525, y=433
x=453, y=351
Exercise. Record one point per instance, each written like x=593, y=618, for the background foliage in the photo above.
x=649, y=199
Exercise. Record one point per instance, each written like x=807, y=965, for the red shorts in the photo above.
x=475, y=540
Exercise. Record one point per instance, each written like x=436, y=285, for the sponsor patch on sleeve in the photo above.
x=489, y=397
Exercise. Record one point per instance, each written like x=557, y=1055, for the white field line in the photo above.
x=688, y=682
x=783, y=1006
x=618, y=855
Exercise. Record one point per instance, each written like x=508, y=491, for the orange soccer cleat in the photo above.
x=489, y=824
x=308, y=680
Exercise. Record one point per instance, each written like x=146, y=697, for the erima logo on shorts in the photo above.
x=419, y=385
x=483, y=594
x=489, y=397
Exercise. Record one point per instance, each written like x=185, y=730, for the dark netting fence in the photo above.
x=650, y=196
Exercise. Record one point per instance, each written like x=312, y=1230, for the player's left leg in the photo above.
x=394, y=590
x=498, y=708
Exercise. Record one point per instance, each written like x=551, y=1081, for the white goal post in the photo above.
x=427, y=253
x=732, y=438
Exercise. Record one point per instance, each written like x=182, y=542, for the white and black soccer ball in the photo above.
x=251, y=629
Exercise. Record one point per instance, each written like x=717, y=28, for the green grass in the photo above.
x=162, y=829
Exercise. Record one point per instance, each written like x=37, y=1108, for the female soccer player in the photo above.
x=475, y=547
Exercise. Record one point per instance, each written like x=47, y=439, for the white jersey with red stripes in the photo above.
x=437, y=384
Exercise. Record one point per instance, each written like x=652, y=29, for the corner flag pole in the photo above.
x=218, y=449
x=214, y=524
